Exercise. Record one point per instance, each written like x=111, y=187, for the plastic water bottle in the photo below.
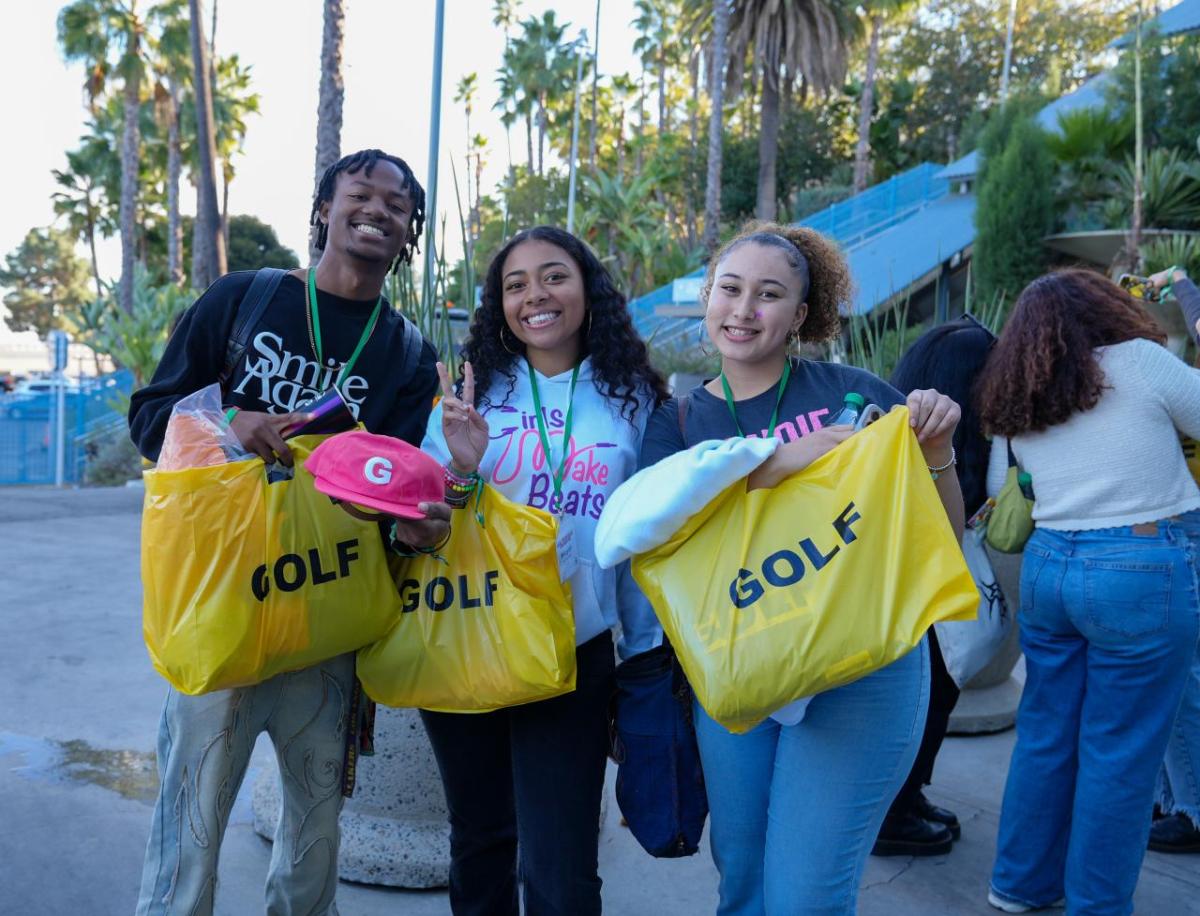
x=851, y=409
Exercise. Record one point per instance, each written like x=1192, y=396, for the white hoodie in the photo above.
x=603, y=453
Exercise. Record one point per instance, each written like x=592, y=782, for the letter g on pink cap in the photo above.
x=380, y=472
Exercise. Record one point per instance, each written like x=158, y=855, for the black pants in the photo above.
x=531, y=774
x=943, y=694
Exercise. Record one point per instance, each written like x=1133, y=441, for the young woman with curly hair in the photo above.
x=797, y=801
x=553, y=358
x=1091, y=402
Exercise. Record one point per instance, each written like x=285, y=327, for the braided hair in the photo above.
x=365, y=160
x=619, y=356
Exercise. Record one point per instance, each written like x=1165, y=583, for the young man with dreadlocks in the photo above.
x=328, y=325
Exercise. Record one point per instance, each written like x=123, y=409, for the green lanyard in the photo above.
x=787, y=373
x=314, y=328
x=556, y=476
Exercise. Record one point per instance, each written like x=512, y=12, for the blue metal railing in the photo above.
x=850, y=222
x=27, y=429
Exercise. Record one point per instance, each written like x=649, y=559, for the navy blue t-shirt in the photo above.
x=815, y=392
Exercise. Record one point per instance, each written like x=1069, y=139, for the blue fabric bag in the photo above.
x=660, y=783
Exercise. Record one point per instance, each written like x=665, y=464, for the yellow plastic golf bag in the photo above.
x=492, y=627
x=244, y=579
x=772, y=595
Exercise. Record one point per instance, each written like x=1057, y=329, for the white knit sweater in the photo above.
x=1119, y=463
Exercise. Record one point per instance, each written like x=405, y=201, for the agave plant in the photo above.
x=1171, y=189
x=1177, y=250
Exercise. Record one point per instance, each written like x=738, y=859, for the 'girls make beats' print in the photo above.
x=586, y=479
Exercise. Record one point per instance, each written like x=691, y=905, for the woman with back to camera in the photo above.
x=1090, y=399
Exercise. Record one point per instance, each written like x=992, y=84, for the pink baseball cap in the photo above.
x=380, y=472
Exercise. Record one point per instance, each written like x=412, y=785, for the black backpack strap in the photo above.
x=684, y=403
x=1012, y=456
x=249, y=314
x=412, y=352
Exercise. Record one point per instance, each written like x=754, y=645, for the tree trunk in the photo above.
x=331, y=92
x=768, y=148
x=91, y=237
x=716, y=92
x=201, y=239
x=693, y=130
x=130, y=143
x=595, y=78
x=621, y=143
x=214, y=242
x=862, y=151
x=641, y=127
x=662, y=91
x=543, y=120
x=529, y=137
x=226, y=177
x=174, y=169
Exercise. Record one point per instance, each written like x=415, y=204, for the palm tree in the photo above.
x=788, y=38
x=79, y=200
x=877, y=11
x=108, y=35
x=329, y=100
x=504, y=14
x=544, y=68
x=465, y=92
x=653, y=45
x=233, y=100
x=207, y=236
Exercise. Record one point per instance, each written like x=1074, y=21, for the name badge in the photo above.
x=568, y=559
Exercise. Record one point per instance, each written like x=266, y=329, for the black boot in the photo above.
x=910, y=835
x=1174, y=833
x=923, y=807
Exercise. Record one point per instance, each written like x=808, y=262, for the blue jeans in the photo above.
x=1109, y=621
x=204, y=746
x=795, y=809
x=1179, y=786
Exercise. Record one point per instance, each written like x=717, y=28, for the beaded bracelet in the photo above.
x=408, y=551
x=935, y=473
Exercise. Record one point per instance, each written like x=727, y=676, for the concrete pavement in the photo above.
x=79, y=707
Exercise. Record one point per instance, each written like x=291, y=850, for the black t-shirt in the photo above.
x=815, y=392
x=279, y=372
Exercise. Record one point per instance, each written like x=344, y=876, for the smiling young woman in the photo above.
x=556, y=391
x=797, y=801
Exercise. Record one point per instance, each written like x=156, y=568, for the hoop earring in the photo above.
x=587, y=335
x=504, y=343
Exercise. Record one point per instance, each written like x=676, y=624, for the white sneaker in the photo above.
x=1011, y=906
x=1007, y=906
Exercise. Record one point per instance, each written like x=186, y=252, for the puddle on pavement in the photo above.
x=131, y=774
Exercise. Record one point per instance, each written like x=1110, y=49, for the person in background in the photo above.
x=1178, y=829
x=556, y=391
x=948, y=358
x=1090, y=399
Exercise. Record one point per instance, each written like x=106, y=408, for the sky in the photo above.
x=387, y=64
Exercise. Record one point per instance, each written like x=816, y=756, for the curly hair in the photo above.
x=1043, y=369
x=824, y=273
x=619, y=356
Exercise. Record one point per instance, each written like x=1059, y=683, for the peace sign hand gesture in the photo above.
x=465, y=430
